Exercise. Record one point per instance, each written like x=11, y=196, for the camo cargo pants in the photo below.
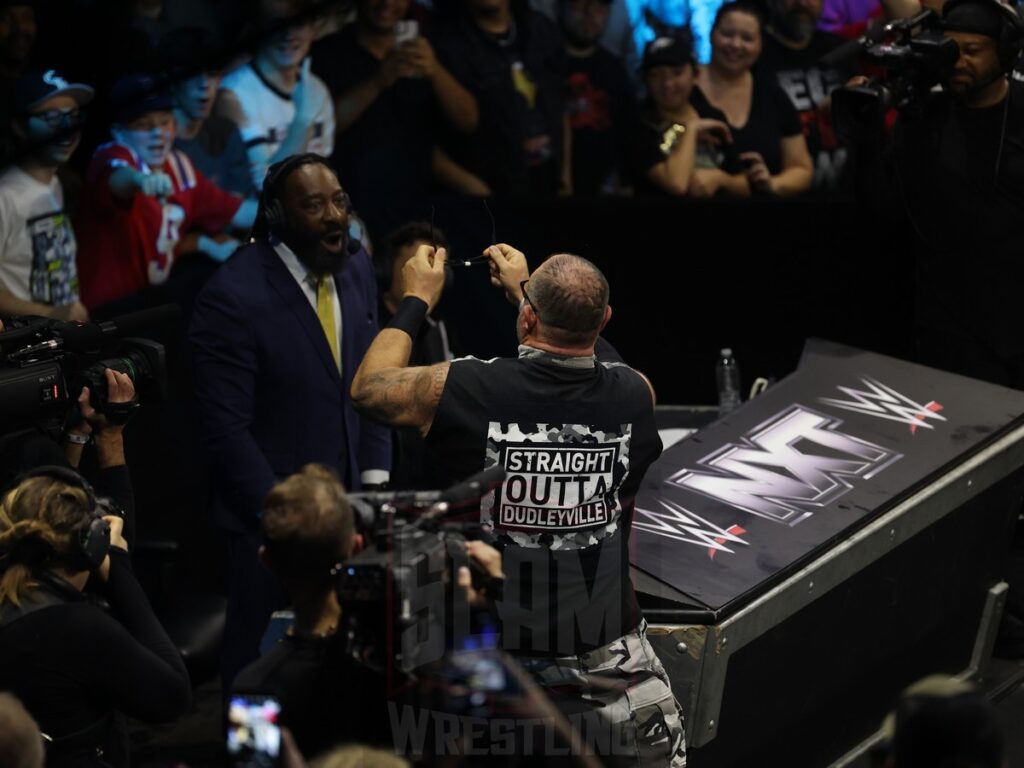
x=629, y=689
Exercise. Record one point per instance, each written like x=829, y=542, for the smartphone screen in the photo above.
x=254, y=733
x=405, y=30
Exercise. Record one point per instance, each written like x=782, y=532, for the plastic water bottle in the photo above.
x=728, y=374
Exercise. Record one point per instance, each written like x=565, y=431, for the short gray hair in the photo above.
x=570, y=295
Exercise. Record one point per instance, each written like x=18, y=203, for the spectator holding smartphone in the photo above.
x=765, y=127
x=513, y=61
x=389, y=91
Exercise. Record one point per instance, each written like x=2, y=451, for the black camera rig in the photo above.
x=914, y=54
x=399, y=606
x=45, y=363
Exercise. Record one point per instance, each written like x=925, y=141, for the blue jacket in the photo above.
x=270, y=397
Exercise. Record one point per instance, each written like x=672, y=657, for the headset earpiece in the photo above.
x=276, y=217
x=1011, y=36
x=92, y=542
x=1012, y=44
x=272, y=212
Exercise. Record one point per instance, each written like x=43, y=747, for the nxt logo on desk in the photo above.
x=561, y=481
x=786, y=468
x=884, y=402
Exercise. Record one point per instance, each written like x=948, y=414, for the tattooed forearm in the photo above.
x=401, y=396
x=388, y=393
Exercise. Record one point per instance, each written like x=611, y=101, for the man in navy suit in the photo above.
x=278, y=333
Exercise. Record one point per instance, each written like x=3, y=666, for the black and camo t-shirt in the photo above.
x=575, y=437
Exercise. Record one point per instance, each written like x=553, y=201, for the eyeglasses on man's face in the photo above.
x=526, y=296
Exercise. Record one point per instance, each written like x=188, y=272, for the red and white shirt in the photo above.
x=126, y=245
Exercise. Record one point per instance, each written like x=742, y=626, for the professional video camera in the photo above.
x=396, y=595
x=914, y=53
x=45, y=363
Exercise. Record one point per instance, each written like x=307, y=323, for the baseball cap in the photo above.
x=134, y=95
x=668, y=51
x=33, y=88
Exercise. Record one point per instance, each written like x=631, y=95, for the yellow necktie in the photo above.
x=325, y=311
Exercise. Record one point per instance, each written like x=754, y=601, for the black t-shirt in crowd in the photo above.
x=969, y=219
x=602, y=109
x=518, y=80
x=645, y=150
x=384, y=158
x=326, y=698
x=78, y=670
x=809, y=88
x=772, y=118
x=575, y=437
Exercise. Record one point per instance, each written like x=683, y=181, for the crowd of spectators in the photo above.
x=163, y=147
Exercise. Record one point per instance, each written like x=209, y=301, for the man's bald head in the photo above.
x=570, y=296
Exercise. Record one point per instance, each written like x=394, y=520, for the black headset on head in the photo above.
x=1011, y=35
x=91, y=541
x=271, y=216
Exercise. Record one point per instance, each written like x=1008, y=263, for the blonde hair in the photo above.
x=358, y=756
x=308, y=525
x=37, y=523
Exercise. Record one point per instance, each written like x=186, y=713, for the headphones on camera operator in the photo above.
x=1009, y=47
x=90, y=546
x=1010, y=42
x=91, y=540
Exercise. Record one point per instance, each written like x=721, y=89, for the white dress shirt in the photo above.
x=308, y=281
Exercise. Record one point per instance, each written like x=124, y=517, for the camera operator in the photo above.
x=575, y=435
x=79, y=669
x=24, y=451
x=956, y=166
x=308, y=528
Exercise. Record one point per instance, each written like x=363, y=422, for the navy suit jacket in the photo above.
x=270, y=397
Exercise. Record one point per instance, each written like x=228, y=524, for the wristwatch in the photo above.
x=77, y=439
x=671, y=137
